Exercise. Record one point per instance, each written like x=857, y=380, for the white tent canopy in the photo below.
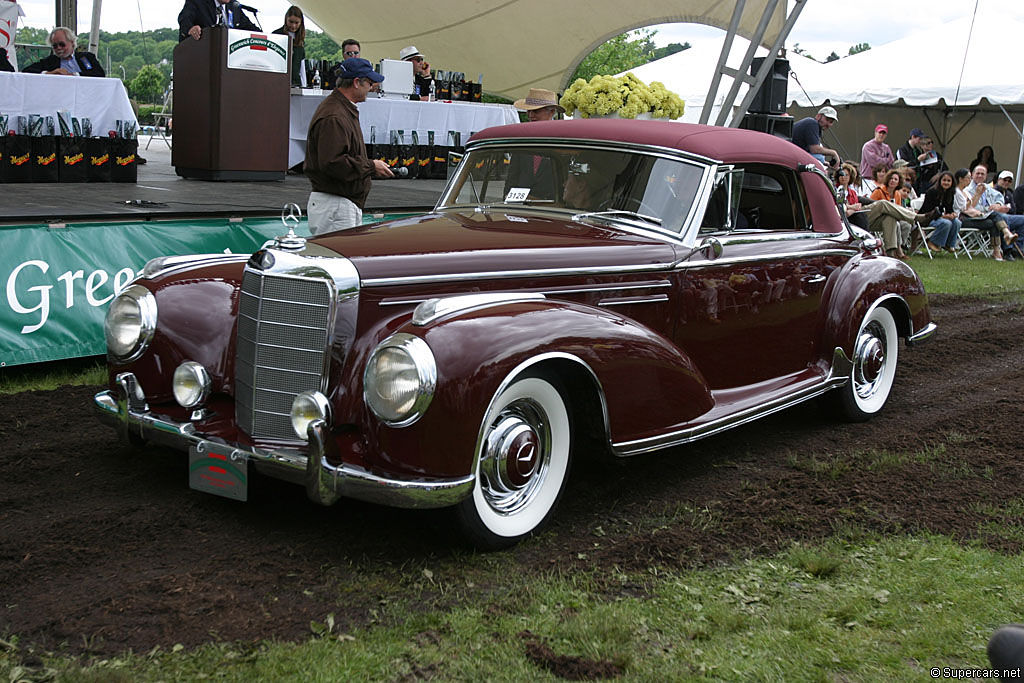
x=519, y=44
x=917, y=82
x=924, y=68
x=689, y=73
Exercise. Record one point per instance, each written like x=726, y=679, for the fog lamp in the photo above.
x=309, y=406
x=191, y=384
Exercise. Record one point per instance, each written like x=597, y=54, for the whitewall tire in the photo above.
x=522, y=464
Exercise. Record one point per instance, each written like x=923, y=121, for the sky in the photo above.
x=823, y=26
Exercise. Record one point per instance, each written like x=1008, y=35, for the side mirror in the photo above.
x=711, y=248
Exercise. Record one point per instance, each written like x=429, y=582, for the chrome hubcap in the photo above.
x=515, y=457
x=869, y=361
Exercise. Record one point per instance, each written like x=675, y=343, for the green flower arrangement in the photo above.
x=626, y=96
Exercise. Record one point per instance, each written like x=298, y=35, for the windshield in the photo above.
x=580, y=180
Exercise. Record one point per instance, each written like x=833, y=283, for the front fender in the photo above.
x=195, y=321
x=648, y=384
x=854, y=289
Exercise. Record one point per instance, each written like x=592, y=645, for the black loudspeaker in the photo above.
x=779, y=126
x=771, y=98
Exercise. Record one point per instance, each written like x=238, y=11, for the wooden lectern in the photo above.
x=229, y=124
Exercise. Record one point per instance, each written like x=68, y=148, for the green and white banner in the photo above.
x=58, y=280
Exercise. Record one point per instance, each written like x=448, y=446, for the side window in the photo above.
x=772, y=199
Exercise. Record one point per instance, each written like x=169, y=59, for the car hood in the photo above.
x=473, y=244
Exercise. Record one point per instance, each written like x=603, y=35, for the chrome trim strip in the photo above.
x=492, y=275
x=628, y=300
x=767, y=257
x=838, y=375
x=590, y=143
x=434, y=309
x=286, y=464
x=554, y=291
x=923, y=335
x=604, y=270
x=167, y=265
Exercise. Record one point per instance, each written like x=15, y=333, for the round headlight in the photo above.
x=309, y=406
x=130, y=323
x=191, y=384
x=399, y=381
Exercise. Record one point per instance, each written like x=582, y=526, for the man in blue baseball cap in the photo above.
x=336, y=162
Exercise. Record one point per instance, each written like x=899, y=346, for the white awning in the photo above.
x=517, y=44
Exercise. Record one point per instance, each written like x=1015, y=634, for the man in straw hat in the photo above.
x=540, y=105
x=530, y=170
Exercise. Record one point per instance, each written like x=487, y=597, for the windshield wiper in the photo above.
x=617, y=212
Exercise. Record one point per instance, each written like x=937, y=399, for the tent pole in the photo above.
x=741, y=77
x=766, y=65
x=716, y=80
x=1020, y=134
x=66, y=13
x=94, y=32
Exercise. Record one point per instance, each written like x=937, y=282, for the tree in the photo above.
x=832, y=57
x=670, y=49
x=619, y=54
x=859, y=47
x=148, y=84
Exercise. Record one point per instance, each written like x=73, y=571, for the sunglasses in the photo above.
x=60, y=43
x=352, y=53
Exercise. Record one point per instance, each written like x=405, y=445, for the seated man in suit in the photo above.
x=531, y=171
x=65, y=61
x=199, y=14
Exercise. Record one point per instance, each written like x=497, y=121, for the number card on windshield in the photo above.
x=517, y=195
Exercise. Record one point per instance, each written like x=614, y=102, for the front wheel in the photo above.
x=522, y=465
x=874, y=367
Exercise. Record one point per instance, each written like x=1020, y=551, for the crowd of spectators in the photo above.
x=894, y=193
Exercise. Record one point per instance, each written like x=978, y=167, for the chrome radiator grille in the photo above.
x=281, y=348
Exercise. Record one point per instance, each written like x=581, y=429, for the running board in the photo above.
x=838, y=375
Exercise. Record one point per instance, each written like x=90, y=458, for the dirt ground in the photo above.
x=104, y=548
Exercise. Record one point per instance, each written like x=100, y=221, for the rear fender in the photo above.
x=865, y=281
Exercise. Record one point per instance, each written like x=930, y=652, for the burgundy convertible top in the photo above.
x=729, y=145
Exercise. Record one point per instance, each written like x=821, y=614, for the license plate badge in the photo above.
x=214, y=470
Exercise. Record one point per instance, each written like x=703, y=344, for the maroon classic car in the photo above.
x=622, y=285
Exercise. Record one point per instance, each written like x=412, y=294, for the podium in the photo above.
x=230, y=123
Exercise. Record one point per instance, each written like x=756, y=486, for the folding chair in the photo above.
x=975, y=243
x=160, y=118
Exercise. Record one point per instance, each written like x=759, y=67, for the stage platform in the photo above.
x=160, y=193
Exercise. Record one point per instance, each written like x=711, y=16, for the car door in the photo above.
x=749, y=314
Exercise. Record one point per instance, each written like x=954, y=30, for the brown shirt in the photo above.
x=336, y=160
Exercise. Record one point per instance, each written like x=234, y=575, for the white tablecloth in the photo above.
x=407, y=115
x=101, y=100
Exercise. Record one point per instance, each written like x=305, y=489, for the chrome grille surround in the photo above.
x=288, y=312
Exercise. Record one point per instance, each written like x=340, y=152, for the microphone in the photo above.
x=249, y=9
x=400, y=172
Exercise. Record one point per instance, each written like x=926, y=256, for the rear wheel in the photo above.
x=875, y=355
x=522, y=465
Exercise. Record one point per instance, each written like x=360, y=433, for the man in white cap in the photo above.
x=540, y=105
x=807, y=135
x=420, y=71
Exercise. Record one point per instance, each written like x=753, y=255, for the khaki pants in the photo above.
x=331, y=212
x=894, y=222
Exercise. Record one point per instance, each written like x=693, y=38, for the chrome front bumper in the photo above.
x=127, y=411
